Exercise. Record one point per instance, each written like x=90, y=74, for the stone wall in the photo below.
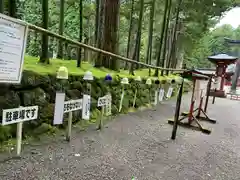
x=40, y=90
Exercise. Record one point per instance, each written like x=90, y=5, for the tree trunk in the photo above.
x=98, y=60
x=12, y=8
x=97, y=20
x=111, y=32
x=61, y=27
x=129, y=33
x=166, y=36
x=1, y=6
x=79, y=57
x=44, y=56
x=162, y=36
x=150, y=35
x=136, y=55
x=176, y=27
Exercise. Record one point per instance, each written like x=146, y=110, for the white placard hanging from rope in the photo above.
x=86, y=107
x=161, y=95
x=156, y=97
x=169, y=93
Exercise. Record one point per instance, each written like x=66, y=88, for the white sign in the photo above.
x=155, y=98
x=59, y=108
x=13, y=39
x=169, y=93
x=109, y=105
x=72, y=105
x=161, y=95
x=86, y=107
x=102, y=101
x=16, y=115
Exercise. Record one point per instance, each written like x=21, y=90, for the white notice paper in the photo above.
x=13, y=39
x=86, y=107
x=161, y=94
x=59, y=108
x=156, y=97
x=169, y=93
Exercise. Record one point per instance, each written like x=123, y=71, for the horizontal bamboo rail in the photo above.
x=79, y=44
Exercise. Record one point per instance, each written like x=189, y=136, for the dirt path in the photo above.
x=138, y=145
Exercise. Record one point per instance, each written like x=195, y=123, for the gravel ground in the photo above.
x=138, y=145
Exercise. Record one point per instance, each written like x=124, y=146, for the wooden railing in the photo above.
x=82, y=45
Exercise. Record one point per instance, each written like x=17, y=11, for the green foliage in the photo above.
x=213, y=42
x=43, y=89
x=196, y=17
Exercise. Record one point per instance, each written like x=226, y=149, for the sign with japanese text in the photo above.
x=109, y=105
x=86, y=105
x=16, y=115
x=106, y=101
x=13, y=40
x=72, y=105
x=59, y=108
x=102, y=101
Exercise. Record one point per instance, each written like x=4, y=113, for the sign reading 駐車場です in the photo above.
x=21, y=114
x=13, y=39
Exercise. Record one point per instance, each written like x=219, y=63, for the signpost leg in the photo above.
x=69, y=128
x=19, y=138
x=121, y=101
x=101, y=119
x=135, y=97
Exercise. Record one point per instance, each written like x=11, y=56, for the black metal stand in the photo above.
x=190, y=116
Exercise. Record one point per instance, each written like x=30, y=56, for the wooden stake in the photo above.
x=121, y=101
x=135, y=97
x=69, y=128
x=19, y=138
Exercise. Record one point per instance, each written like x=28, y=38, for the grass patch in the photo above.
x=32, y=64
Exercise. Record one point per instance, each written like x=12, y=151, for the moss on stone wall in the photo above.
x=40, y=90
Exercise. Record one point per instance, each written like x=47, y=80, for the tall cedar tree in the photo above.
x=79, y=57
x=61, y=28
x=97, y=20
x=136, y=55
x=130, y=33
x=1, y=6
x=162, y=37
x=150, y=35
x=166, y=35
x=12, y=8
x=99, y=41
x=176, y=27
x=44, y=56
x=111, y=24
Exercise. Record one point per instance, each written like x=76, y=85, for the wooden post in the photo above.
x=69, y=128
x=135, y=97
x=101, y=118
x=19, y=138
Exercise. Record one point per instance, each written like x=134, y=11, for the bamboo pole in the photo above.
x=79, y=44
